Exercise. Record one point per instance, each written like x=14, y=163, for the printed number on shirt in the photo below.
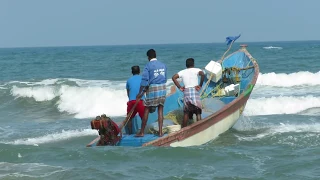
x=158, y=71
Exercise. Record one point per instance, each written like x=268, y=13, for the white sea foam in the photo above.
x=289, y=80
x=32, y=83
x=309, y=136
x=272, y=47
x=92, y=101
x=44, y=93
x=280, y=105
x=312, y=130
x=93, y=97
x=89, y=99
x=99, y=83
x=28, y=170
x=49, y=138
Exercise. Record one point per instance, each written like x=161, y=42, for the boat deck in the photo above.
x=131, y=140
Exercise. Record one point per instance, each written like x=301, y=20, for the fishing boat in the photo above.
x=228, y=85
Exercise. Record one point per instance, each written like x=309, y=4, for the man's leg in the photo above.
x=144, y=122
x=185, y=119
x=129, y=126
x=160, y=119
x=198, y=117
x=190, y=115
x=199, y=111
x=129, y=107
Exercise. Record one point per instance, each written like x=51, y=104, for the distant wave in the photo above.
x=315, y=111
x=280, y=105
x=289, y=80
x=272, y=47
x=59, y=136
x=309, y=134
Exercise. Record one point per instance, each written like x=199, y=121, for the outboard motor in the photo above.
x=108, y=131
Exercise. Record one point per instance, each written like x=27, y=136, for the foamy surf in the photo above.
x=28, y=170
x=89, y=98
x=49, y=138
x=307, y=133
x=272, y=47
x=289, y=80
x=280, y=105
x=85, y=99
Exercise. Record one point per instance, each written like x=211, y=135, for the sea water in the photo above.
x=49, y=95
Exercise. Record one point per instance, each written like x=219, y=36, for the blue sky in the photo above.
x=104, y=22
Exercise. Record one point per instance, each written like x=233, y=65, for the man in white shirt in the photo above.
x=191, y=88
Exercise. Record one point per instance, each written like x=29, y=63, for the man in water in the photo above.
x=154, y=78
x=191, y=100
x=133, y=87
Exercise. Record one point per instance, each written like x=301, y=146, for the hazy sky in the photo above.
x=25, y=23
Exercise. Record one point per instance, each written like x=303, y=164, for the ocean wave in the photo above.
x=91, y=101
x=280, y=105
x=289, y=80
x=303, y=134
x=82, y=102
x=38, y=93
x=86, y=99
x=272, y=47
x=54, y=137
x=28, y=170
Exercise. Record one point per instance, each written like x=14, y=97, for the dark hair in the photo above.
x=151, y=53
x=135, y=70
x=190, y=62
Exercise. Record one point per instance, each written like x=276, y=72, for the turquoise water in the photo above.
x=49, y=95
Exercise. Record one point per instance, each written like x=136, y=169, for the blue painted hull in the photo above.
x=248, y=77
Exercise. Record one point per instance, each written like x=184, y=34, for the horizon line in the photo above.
x=145, y=44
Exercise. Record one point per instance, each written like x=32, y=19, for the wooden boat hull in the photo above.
x=205, y=130
x=211, y=126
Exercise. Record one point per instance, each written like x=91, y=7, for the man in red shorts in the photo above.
x=133, y=87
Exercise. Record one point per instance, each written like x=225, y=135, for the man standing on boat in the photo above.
x=191, y=88
x=154, y=78
x=133, y=87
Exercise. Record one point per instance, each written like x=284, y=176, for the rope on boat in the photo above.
x=211, y=76
x=177, y=117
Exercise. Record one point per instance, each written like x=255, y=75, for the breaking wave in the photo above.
x=63, y=135
x=289, y=80
x=275, y=93
x=280, y=105
x=272, y=47
x=81, y=98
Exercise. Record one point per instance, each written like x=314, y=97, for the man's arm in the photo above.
x=127, y=87
x=201, y=80
x=144, y=81
x=174, y=79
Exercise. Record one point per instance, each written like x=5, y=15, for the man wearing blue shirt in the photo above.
x=154, y=78
x=133, y=87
